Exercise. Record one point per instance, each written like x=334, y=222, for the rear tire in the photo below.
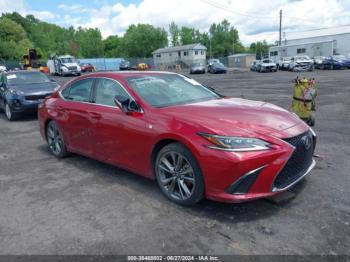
x=55, y=140
x=178, y=174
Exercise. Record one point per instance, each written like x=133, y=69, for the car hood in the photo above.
x=303, y=61
x=235, y=116
x=32, y=89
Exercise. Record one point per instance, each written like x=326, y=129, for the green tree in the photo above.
x=187, y=35
x=261, y=49
x=142, y=39
x=225, y=39
x=13, y=40
x=89, y=42
x=174, y=34
x=114, y=46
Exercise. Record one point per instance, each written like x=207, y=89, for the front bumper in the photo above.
x=237, y=177
x=75, y=72
x=268, y=68
x=26, y=104
x=198, y=71
x=303, y=67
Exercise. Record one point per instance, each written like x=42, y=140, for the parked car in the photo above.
x=3, y=68
x=124, y=65
x=318, y=61
x=301, y=63
x=22, y=91
x=212, y=61
x=197, y=68
x=336, y=62
x=87, y=67
x=217, y=68
x=254, y=65
x=266, y=65
x=284, y=63
x=193, y=141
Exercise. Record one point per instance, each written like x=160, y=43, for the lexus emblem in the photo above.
x=307, y=142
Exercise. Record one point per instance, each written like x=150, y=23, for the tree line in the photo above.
x=18, y=33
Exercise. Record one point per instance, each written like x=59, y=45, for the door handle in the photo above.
x=94, y=115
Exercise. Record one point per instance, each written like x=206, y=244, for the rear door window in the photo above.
x=79, y=91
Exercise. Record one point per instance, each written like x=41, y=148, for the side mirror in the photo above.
x=126, y=105
x=122, y=102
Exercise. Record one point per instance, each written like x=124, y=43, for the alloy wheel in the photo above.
x=54, y=139
x=176, y=175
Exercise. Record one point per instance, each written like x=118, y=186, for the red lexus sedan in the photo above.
x=193, y=141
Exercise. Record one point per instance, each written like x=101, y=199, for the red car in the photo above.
x=193, y=141
x=87, y=67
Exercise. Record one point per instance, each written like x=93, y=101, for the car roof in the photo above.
x=22, y=71
x=122, y=74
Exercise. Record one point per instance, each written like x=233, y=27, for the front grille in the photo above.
x=303, y=64
x=72, y=67
x=36, y=97
x=299, y=162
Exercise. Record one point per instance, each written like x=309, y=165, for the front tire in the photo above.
x=55, y=140
x=10, y=116
x=178, y=175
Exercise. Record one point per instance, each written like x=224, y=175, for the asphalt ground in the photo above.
x=81, y=206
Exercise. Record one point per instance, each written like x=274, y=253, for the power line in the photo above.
x=226, y=8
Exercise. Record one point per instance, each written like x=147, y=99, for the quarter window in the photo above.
x=79, y=91
x=106, y=91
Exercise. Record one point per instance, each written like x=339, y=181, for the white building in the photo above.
x=183, y=55
x=318, y=42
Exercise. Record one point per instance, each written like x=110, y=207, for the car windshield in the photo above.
x=267, y=61
x=219, y=65
x=339, y=58
x=196, y=64
x=169, y=89
x=287, y=59
x=302, y=58
x=211, y=61
x=67, y=60
x=22, y=78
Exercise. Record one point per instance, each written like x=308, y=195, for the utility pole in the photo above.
x=233, y=44
x=280, y=31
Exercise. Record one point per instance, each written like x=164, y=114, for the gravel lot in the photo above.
x=81, y=206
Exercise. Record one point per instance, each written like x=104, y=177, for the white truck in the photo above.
x=64, y=65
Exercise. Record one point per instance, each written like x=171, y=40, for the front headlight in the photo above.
x=235, y=144
x=65, y=69
x=13, y=92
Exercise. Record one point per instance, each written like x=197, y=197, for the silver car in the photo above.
x=197, y=68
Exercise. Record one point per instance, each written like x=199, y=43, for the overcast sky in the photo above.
x=255, y=19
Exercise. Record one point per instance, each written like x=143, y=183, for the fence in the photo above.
x=105, y=64
x=101, y=64
x=10, y=65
